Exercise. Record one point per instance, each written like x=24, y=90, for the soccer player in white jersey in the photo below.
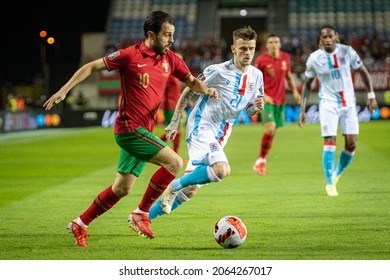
x=209, y=125
x=332, y=64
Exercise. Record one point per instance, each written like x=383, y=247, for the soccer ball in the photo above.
x=230, y=232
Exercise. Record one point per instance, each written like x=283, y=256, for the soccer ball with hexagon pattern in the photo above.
x=230, y=232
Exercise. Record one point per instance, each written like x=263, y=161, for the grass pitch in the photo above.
x=49, y=177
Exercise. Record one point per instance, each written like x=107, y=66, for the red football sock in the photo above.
x=102, y=203
x=163, y=137
x=176, y=142
x=158, y=183
x=266, y=143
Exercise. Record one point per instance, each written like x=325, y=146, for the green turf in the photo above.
x=49, y=177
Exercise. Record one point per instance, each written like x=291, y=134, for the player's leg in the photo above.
x=168, y=114
x=145, y=146
x=102, y=203
x=176, y=141
x=212, y=167
x=267, y=139
x=329, y=117
x=202, y=175
x=346, y=156
x=349, y=125
x=182, y=196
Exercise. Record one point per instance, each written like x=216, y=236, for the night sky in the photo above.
x=65, y=21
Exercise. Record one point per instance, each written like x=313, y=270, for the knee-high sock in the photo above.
x=266, y=143
x=156, y=210
x=158, y=183
x=345, y=159
x=202, y=175
x=176, y=142
x=163, y=137
x=328, y=159
x=102, y=203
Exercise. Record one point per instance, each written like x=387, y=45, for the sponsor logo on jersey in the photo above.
x=113, y=55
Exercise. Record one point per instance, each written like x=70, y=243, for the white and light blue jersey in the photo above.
x=333, y=71
x=235, y=89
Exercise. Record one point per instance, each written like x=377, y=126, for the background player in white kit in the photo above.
x=240, y=86
x=332, y=64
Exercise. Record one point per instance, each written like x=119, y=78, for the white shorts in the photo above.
x=204, y=149
x=332, y=115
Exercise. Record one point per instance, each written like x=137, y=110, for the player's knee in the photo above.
x=190, y=191
x=122, y=189
x=176, y=163
x=123, y=184
x=222, y=170
x=351, y=146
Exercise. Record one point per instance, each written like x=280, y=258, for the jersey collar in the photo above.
x=146, y=50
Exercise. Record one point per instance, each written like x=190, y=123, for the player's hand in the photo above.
x=172, y=129
x=372, y=105
x=54, y=99
x=259, y=103
x=212, y=92
x=297, y=97
x=301, y=118
x=268, y=99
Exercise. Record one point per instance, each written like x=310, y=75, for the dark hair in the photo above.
x=245, y=33
x=272, y=35
x=329, y=26
x=155, y=20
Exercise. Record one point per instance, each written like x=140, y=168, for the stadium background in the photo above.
x=203, y=35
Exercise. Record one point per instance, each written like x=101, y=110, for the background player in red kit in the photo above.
x=144, y=69
x=172, y=93
x=275, y=65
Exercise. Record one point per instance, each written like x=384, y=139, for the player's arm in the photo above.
x=305, y=95
x=268, y=99
x=291, y=84
x=371, y=101
x=198, y=86
x=173, y=127
x=80, y=75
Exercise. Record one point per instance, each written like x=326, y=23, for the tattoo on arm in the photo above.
x=181, y=104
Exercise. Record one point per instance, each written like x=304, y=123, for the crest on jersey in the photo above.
x=113, y=55
x=284, y=65
x=251, y=86
x=165, y=65
x=214, y=147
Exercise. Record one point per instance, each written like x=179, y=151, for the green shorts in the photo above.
x=274, y=113
x=136, y=149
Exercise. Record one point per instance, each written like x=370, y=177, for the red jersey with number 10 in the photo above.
x=144, y=75
x=274, y=71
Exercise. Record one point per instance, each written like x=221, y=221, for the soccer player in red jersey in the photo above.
x=144, y=69
x=275, y=65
